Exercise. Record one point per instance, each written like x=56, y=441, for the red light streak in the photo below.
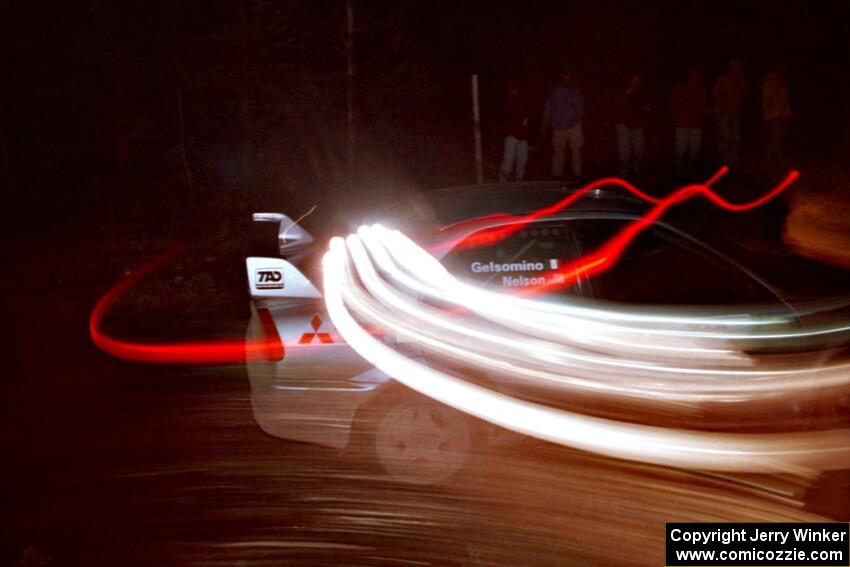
x=226, y=351
x=491, y=236
x=607, y=255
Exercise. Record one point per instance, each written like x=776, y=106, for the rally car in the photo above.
x=322, y=391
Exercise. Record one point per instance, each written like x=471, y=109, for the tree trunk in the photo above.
x=8, y=179
x=351, y=69
x=119, y=128
x=181, y=80
x=245, y=94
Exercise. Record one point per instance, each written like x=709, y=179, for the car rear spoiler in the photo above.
x=292, y=239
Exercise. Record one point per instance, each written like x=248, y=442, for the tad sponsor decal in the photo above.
x=265, y=278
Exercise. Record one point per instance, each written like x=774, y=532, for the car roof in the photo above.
x=441, y=207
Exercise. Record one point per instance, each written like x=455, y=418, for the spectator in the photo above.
x=688, y=105
x=516, y=136
x=631, y=110
x=776, y=111
x=563, y=113
x=728, y=99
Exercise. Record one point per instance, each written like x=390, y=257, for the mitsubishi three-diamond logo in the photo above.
x=307, y=338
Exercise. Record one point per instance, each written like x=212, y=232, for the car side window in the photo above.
x=659, y=267
x=522, y=259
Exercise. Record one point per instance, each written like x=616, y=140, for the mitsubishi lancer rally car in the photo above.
x=322, y=391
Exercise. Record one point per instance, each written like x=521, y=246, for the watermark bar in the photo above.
x=823, y=544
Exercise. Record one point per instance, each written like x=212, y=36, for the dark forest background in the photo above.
x=152, y=114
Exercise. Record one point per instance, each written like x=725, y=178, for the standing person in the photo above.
x=631, y=110
x=688, y=105
x=516, y=136
x=563, y=113
x=728, y=99
x=776, y=111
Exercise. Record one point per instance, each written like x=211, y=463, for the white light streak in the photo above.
x=382, y=277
